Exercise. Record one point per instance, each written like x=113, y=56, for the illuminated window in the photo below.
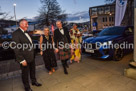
x=100, y=10
x=107, y=9
x=94, y=11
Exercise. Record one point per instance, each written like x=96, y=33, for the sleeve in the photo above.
x=18, y=54
x=80, y=38
x=22, y=61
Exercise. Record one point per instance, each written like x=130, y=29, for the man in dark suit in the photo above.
x=62, y=38
x=25, y=56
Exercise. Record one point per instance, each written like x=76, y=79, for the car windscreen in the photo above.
x=112, y=31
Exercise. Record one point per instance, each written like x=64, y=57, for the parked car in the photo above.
x=3, y=37
x=89, y=34
x=9, y=36
x=6, y=36
x=103, y=45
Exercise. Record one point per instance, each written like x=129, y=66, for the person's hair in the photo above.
x=21, y=20
x=58, y=21
x=46, y=28
x=74, y=24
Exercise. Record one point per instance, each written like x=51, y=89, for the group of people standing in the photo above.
x=61, y=35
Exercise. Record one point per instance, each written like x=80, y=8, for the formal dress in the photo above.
x=48, y=53
x=21, y=37
x=62, y=36
x=76, y=40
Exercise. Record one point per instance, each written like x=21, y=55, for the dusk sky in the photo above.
x=29, y=8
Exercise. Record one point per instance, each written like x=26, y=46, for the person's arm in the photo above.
x=69, y=38
x=80, y=37
x=56, y=42
x=41, y=41
x=55, y=39
x=52, y=41
x=18, y=54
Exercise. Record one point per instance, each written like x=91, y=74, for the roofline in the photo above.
x=102, y=5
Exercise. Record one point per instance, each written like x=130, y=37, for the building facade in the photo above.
x=102, y=16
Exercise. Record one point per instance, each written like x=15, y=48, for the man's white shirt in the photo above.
x=27, y=36
x=62, y=31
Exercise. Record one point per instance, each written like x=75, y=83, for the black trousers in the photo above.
x=26, y=70
x=64, y=64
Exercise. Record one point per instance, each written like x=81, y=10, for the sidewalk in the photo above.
x=89, y=75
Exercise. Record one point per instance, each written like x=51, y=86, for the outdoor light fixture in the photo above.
x=15, y=13
x=14, y=4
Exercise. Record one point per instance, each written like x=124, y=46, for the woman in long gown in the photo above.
x=47, y=51
x=76, y=39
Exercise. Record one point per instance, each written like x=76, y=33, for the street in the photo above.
x=89, y=75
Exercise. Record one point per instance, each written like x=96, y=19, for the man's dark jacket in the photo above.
x=19, y=37
x=58, y=36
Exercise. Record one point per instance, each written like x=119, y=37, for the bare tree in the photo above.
x=5, y=15
x=2, y=14
x=49, y=12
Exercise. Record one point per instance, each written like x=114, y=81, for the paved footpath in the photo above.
x=89, y=75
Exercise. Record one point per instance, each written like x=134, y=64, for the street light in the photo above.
x=14, y=4
x=15, y=13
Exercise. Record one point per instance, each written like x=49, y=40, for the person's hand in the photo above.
x=24, y=63
x=56, y=50
x=41, y=52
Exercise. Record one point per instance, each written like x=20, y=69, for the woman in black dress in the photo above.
x=47, y=51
